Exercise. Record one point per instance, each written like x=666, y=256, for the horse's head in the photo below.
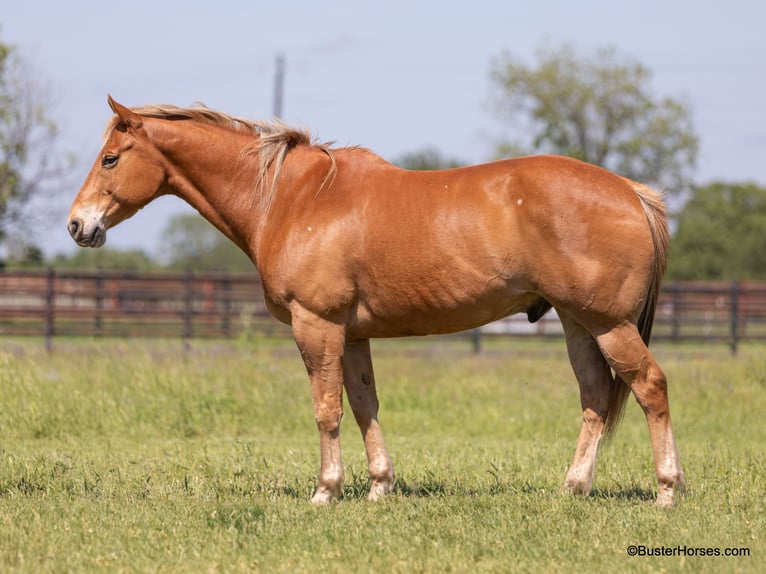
x=128, y=173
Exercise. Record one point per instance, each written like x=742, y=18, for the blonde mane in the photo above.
x=274, y=140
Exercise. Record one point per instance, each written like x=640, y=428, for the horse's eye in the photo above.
x=109, y=161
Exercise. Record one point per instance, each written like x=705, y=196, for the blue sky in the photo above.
x=394, y=77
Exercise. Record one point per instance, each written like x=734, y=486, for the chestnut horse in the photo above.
x=350, y=247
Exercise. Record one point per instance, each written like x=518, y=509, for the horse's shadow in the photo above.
x=627, y=493
x=432, y=487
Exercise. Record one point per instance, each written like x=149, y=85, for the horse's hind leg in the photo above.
x=596, y=383
x=359, y=381
x=630, y=358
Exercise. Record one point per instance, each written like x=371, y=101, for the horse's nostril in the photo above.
x=74, y=227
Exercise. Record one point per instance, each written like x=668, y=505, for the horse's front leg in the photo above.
x=321, y=343
x=359, y=381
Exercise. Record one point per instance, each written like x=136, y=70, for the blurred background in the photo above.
x=668, y=93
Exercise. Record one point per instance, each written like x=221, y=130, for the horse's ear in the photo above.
x=127, y=116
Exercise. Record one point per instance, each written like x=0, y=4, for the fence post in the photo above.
x=49, y=311
x=734, y=293
x=476, y=340
x=98, y=320
x=226, y=286
x=675, y=333
x=188, y=310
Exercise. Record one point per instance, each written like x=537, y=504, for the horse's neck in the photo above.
x=210, y=172
x=207, y=172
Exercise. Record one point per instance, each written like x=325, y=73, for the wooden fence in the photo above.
x=120, y=304
x=206, y=305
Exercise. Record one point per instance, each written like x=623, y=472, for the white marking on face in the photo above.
x=91, y=218
x=309, y=228
x=519, y=201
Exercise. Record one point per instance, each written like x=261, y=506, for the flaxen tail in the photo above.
x=656, y=216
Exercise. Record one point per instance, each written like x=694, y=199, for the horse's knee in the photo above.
x=328, y=418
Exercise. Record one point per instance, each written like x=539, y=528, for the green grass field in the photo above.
x=131, y=456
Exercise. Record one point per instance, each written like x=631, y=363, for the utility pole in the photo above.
x=279, y=84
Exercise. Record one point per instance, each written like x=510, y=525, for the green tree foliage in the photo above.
x=190, y=242
x=106, y=259
x=426, y=159
x=24, y=255
x=721, y=234
x=28, y=166
x=598, y=109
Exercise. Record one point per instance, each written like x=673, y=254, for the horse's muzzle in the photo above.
x=95, y=237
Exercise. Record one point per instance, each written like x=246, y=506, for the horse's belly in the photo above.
x=431, y=318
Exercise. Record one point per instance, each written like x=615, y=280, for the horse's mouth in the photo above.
x=95, y=238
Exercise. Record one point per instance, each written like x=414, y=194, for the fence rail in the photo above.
x=205, y=305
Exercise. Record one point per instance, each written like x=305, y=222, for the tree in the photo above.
x=426, y=159
x=28, y=166
x=24, y=255
x=190, y=242
x=105, y=258
x=721, y=234
x=598, y=109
